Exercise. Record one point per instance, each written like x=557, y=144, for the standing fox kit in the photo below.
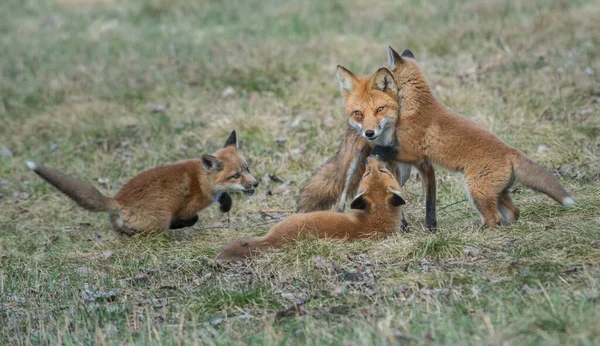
x=430, y=131
x=166, y=197
x=373, y=109
x=377, y=205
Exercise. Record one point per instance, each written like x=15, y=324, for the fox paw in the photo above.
x=225, y=202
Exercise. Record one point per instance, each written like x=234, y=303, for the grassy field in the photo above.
x=103, y=89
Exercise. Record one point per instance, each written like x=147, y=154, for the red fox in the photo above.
x=430, y=131
x=377, y=213
x=372, y=107
x=166, y=197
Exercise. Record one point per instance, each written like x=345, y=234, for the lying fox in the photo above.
x=430, y=131
x=372, y=107
x=377, y=213
x=166, y=197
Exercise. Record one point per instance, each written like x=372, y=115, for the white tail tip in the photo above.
x=31, y=165
x=567, y=202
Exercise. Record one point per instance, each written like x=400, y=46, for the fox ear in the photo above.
x=359, y=202
x=393, y=58
x=211, y=163
x=396, y=200
x=383, y=80
x=231, y=140
x=407, y=54
x=346, y=79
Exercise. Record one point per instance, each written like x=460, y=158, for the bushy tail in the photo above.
x=537, y=178
x=84, y=194
x=244, y=248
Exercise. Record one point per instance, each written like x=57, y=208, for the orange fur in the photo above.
x=428, y=130
x=379, y=204
x=162, y=197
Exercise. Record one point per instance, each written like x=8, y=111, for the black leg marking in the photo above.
x=404, y=225
x=178, y=223
x=428, y=177
x=225, y=202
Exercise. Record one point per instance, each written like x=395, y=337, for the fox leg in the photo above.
x=402, y=172
x=429, y=184
x=117, y=225
x=325, y=187
x=145, y=220
x=181, y=223
x=349, y=178
x=486, y=203
x=508, y=210
x=485, y=188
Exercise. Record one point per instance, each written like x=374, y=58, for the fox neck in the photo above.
x=417, y=97
x=211, y=188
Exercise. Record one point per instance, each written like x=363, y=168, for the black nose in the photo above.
x=369, y=133
x=255, y=183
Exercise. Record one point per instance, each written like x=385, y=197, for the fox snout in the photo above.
x=250, y=187
x=379, y=134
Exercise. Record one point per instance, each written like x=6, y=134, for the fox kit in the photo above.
x=372, y=107
x=166, y=197
x=378, y=208
x=430, y=131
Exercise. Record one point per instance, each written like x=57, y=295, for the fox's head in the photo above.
x=371, y=104
x=378, y=189
x=404, y=67
x=229, y=169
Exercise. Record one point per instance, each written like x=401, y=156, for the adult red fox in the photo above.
x=166, y=197
x=373, y=111
x=428, y=130
x=378, y=211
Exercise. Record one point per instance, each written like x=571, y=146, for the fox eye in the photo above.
x=236, y=176
x=380, y=109
x=357, y=113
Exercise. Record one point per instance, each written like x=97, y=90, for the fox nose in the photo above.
x=254, y=183
x=369, y=133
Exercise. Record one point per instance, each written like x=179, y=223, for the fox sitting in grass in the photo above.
x=166, y=197
x=428, y=130
x=378, y=212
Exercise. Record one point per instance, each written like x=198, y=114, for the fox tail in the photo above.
x=537, y=178
x=84, y=194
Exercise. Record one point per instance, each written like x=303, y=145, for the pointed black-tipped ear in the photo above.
x=393, y=58
x=231, y=140
x=407, y=54
x=346, y=79
x=383, y=80
x=359, y=202
x=396, y=200
x=211, y=163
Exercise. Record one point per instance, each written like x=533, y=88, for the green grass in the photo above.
x=78, y=81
